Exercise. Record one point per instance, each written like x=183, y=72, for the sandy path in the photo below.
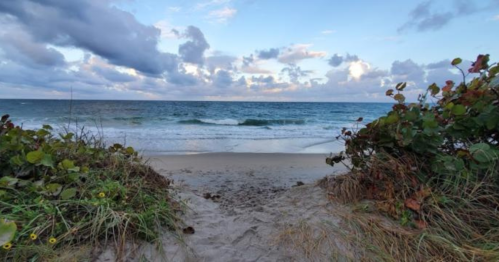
x=254, y=198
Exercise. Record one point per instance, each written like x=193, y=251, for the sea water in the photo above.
x=181, y=127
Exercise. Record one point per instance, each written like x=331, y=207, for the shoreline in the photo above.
x=260, y=146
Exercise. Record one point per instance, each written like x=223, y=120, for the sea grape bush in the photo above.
x=69, y=189
x=450, y=135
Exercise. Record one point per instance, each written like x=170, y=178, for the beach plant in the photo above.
x=433, y=165
x=69, y=191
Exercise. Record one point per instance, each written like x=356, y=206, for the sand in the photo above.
x=241, y=205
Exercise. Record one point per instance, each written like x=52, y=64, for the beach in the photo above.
x=239, y=205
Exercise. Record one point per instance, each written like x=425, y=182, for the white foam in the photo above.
x=227, y=122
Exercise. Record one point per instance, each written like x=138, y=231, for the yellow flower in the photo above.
x=52, y=240
x=7, y=246
x=102, y=194
x=33, y=236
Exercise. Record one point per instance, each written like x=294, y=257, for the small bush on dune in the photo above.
x=57, y=193
x=434, y=167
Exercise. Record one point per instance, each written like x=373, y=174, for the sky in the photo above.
x=238, y=50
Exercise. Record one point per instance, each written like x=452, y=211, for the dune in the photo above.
x=240, y=206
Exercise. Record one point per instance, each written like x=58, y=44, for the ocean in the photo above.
x=181, y=127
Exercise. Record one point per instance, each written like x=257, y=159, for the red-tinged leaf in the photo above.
x=447, y=89
x=423, y=193
x=348, y=133
x=360, y=119
x=421, y=224
x=412, y=204
x=479, y=64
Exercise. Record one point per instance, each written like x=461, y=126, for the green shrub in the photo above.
x=72, y=191
x=439, y=144
x=432, y=165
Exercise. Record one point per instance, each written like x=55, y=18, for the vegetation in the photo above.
x=433, y=166
x=68, y=192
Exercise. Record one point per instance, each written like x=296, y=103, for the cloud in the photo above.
x=122, y=61
x=222, y=15
x=20, y=47
x=193, y=51
x=407, y=71
x=175, y=9
x=168, y=31
x=295, y=73
x=496, y=18
x=250, y=65
x=107, y=71
x=424, y=18
x=222, y=79
x=211, y=3
x=94, y=26
x=441, y=64
x=336, y=60
x=297, y=53
x=328, y=32
x=248, y=60
x=268, y=54
x=220, y=61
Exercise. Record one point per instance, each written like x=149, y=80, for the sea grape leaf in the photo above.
x=400, y=98
x=130, y=150
x=68, y=193
x=456, y=61
x=479, y=146
x=47, y=161
x=8, y=181
x=67, y=164
x=16, y=160
x=54, y=189
x=458, y=110
x=42, y=133
x=34, y=157
x=8, y=230
x=434, y=89
x=401, y=86
x=392, y=118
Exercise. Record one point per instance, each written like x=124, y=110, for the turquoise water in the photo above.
x=163, y=127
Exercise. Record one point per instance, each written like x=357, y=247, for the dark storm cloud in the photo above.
x=424, y=18
x=336, y=60
x=95, y=26
x=193, y=51
x=268, y=54
x=19, y=47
